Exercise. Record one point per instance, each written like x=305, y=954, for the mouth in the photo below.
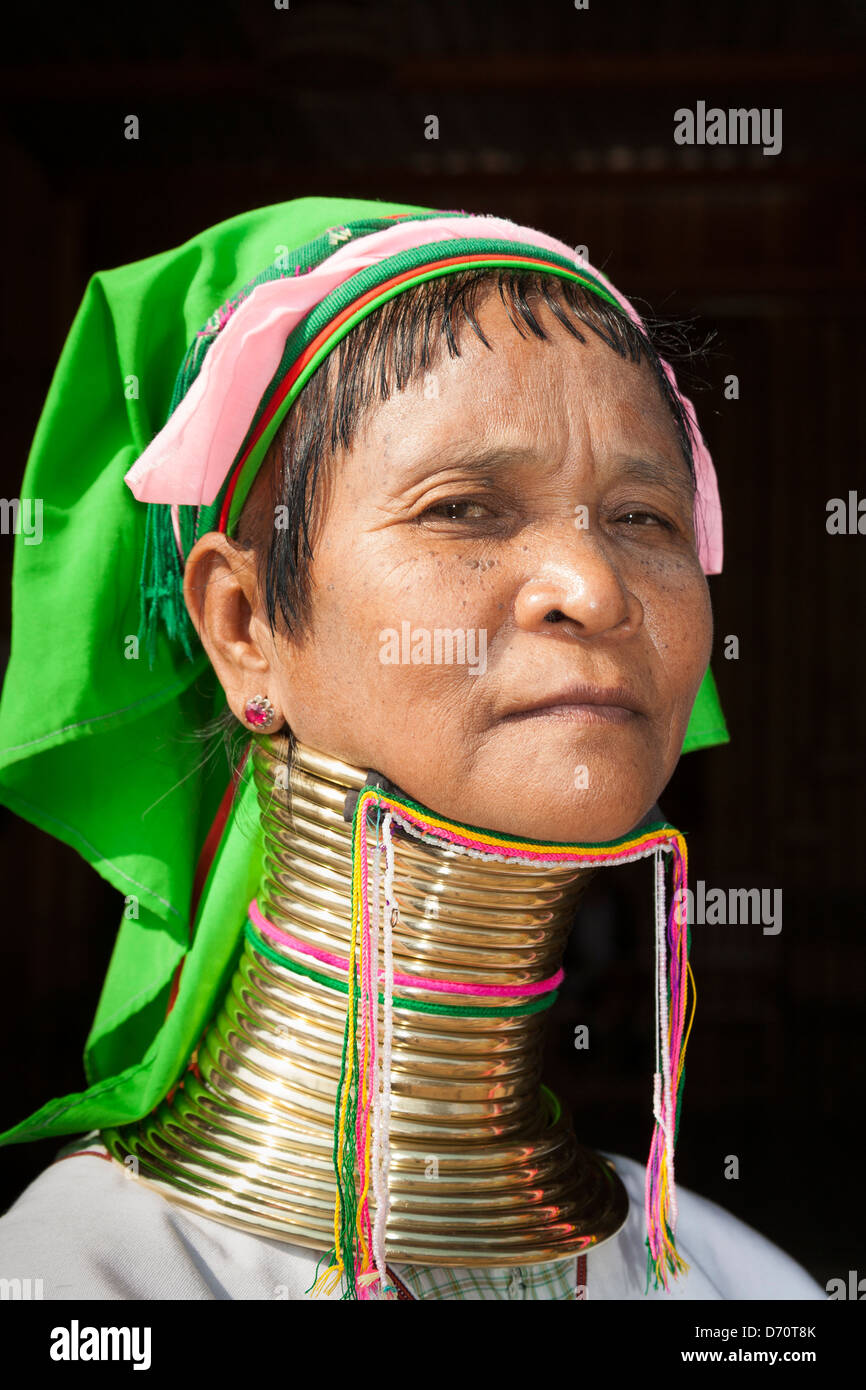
x=582, y=704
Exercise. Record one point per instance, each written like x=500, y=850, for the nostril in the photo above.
x=554, y=616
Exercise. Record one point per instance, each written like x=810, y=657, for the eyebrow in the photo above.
x=673, y=477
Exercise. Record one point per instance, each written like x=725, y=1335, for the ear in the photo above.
x=221, y=592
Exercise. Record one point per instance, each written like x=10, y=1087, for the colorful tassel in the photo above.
x=362, y=1113
x=671, y=935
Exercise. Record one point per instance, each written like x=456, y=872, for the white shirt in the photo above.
x=87, y=1230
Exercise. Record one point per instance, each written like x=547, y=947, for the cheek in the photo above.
x=371, y=605
x=383, y=588
x=679, y=620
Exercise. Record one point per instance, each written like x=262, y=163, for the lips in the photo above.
x=590, y=703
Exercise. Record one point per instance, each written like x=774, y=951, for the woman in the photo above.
x=429, y=523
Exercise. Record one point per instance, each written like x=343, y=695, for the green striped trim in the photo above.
x=535, y=1006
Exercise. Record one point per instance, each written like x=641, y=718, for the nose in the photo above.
x=582, y=590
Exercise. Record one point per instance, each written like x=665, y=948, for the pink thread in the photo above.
x=408, y=981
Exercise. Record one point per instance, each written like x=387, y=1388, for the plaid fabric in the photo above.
x=563, y=1280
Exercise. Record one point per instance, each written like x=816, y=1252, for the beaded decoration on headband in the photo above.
x=357, y=1260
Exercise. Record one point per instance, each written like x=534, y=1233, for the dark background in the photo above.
x=561, y=119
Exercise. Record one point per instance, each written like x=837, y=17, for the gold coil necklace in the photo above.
x=484, y=1169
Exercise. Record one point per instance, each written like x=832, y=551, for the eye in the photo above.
x=463, y=509
x=636, y=518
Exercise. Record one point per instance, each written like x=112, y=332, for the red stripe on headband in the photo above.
x=310, y=351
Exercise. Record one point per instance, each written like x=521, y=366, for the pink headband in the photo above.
x=191, y=457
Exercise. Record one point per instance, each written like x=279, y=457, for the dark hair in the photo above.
x=393, y=346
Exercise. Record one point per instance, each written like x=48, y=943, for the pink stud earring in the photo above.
x=259, y=712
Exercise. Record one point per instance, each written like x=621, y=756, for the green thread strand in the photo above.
x=552, y=1100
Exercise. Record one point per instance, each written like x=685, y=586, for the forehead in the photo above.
x=529, y=390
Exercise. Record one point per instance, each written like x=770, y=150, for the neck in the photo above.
x=483, y=1168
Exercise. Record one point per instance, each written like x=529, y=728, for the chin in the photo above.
x=567, y=818
x=565, y=825
x=538, y=798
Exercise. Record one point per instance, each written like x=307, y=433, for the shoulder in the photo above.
x=727, y=1258
x=87, y=1229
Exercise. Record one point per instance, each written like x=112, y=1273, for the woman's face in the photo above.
x=531, y=506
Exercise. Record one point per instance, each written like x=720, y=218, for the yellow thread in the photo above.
x=326, y=1282
x=350, y=1051
x=365, y=1188
x=691, y=1021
